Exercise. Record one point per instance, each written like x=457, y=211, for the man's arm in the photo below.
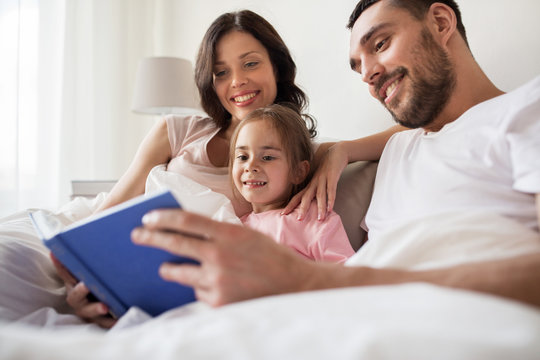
x=516, y=278
x=238, y=263
x=329, y=162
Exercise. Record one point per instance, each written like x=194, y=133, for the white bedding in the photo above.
x=415, y=321
x=398, y=322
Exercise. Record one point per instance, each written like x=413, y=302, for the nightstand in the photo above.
x=90, y=188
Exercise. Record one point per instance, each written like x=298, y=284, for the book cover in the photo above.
x=99, y=251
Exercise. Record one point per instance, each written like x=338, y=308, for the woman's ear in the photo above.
x=301, y=171
x=443, y=22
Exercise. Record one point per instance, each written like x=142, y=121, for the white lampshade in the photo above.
x=165, y=85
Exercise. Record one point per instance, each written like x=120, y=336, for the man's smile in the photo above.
x=389, y=88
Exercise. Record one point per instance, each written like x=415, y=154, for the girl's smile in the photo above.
x=260, y=170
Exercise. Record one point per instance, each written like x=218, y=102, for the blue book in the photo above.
x=99, y=251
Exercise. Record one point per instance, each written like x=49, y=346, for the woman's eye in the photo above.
x=380, y=45
x=220, y=73
x=252, y=64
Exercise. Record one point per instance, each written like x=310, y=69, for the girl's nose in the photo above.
x=251, y=167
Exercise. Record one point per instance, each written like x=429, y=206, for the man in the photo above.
x=414, y=56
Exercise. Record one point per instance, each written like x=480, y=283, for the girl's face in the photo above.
x=261, y=170
x=244, y=77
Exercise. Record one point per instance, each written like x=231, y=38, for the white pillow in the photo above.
x=28, y=279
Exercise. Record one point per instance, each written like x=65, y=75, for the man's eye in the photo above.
x=380, y=45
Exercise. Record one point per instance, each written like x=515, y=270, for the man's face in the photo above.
x=405, y=68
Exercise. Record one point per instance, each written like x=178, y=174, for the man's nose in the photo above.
x=371, y=71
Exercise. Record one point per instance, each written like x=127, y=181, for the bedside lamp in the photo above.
x=165, y=85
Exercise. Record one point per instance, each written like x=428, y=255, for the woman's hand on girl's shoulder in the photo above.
x=322, y=186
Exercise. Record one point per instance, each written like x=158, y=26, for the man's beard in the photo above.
x=433, y=80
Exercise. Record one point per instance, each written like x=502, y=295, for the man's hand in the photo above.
x=236, y=263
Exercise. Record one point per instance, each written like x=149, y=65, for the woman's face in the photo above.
x=244, y=77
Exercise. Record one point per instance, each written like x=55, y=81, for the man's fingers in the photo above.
x=195, y=276
x=187, y=223
x=176, y=243
x=186, y=274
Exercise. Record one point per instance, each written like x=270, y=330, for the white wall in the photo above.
x=503, y=36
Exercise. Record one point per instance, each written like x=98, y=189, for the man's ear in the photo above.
x=443, y=22
x=301, y=171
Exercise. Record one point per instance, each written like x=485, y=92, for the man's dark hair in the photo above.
x=417, y=8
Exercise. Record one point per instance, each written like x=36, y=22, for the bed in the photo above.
x=413, y=321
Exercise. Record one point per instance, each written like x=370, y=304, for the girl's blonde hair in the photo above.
x=293, y=133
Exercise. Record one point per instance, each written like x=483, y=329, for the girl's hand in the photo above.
x=323, y=185
x=78, y=298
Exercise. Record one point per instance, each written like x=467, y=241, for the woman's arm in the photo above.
x=330, y=160
x=155, y=149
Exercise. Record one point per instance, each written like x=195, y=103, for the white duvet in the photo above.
x=414, y=321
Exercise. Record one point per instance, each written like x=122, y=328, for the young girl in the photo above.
x=270, y=158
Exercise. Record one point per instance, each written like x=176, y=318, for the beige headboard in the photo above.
x=353, y=197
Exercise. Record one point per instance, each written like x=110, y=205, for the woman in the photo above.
x=242, y=64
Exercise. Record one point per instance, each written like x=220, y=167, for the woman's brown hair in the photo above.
x=284, y=66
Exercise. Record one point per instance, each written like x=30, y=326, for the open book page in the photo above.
x=46, y=224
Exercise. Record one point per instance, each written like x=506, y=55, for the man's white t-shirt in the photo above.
x=486, y=160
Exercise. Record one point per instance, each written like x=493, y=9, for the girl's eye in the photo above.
x=379, y=46
x=267, y=158
x=241, y=157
